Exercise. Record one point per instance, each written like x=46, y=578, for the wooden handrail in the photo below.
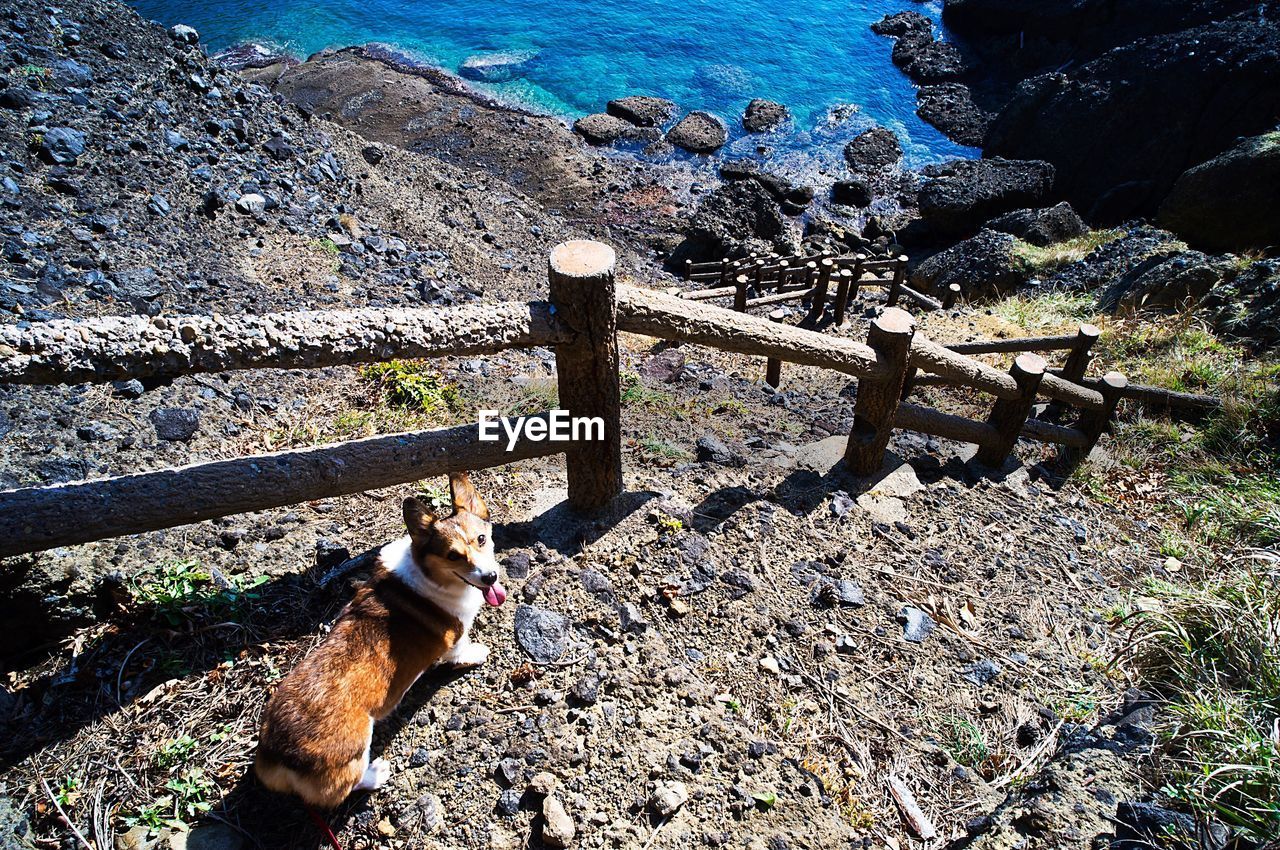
x=651, y=313
x=74, y=351
x=37, y=518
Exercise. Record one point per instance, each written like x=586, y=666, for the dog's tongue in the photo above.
x=495, y=595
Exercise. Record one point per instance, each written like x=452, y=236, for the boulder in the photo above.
x=950, y=108
x=958, y=196
x=854, y=192
x=1231, y=202
x=1247, y=304
x=642, y=110
x=782, y=189
x=1057, y=30
x=984, y=265
x=920, y=56
x=1114, y=257
x=61, y=145
x=1043, y=226
x=1122, y=128
x=873, y=150
x=1164, y=282
x=699, y=132
x=497, y=67
x=730, y=216
x=762, y=115
x=603, y=129
x=183, y=34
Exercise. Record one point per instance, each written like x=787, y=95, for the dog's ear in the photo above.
x=417, y=517
x=465, y=497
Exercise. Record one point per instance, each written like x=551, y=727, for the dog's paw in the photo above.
x=375, y=775
x=471, y=655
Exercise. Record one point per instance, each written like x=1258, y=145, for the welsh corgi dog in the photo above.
x=415, y=611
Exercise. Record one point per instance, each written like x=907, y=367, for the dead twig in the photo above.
x=53, y=798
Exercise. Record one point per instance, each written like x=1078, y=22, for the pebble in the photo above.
x=543, y=783
x=668, y=798
x=980, y=672
x=251, y=204
x=558, y=829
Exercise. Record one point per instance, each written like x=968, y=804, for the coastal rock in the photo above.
x=1042, y=226
x=950, y=108
x=920, y=56
x=873, y=150
x=183, y=34
x=731, y=215
x=496, y=67
x=603, y=129
x=699, y=132
x=901, y=24
x=1164, y=282
x=984, y=265
x=642, y=110
x=1247, y=304
x=1131, y=248
x=762, y=115
x=1231, y=202
x=958, y=196
x=1202, y=88
x=854, y=192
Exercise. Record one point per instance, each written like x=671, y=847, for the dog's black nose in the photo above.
x=489, y=579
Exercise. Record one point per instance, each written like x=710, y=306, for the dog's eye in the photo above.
x=455, y=556
x=480, y=540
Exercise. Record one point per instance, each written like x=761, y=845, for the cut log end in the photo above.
x=1029, y=363
x=895, y=321
x=1115, y=380
x=582, y=258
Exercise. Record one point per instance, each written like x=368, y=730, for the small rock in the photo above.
x=251, y=204
x=509, y=803
x=770, y=665
x=711, y=449
x=853, y=193
x=668, y=798
x=175, y=424
x=916, y=624
x=980, y=672
x=61, y=145
x=543, y=783
x=96, y=432
x=214, y=836
x=558, y=829
x=542, y=633
x=630, y=618
x=517, y=565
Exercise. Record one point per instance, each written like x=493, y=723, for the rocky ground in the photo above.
x=744, y=655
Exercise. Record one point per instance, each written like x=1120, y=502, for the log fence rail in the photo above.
x=580, y=323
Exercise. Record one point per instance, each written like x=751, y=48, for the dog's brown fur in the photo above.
x=317, y=727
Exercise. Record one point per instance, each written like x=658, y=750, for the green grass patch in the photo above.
x=636, y=394
x=1055, y=310
x=413, y=384
x=1212, y=652
x=965, y=741
x=658, y=447
x=183, y=591
x=1049, y=258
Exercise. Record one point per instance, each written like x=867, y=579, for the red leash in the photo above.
x=323, y=826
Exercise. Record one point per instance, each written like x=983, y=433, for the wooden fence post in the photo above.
x=877, y=400
x=740, y=293
x=899, y=276
x=581, y=275
x=825, y=265
x=1094, y=422
x=949, y=297
x=1076, y=363
x=1009, y=415
x=1078, y=360
x=773, y=366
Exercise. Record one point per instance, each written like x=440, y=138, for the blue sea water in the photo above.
x=811, y=56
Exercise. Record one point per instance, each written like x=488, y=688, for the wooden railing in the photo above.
x=580, y=323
